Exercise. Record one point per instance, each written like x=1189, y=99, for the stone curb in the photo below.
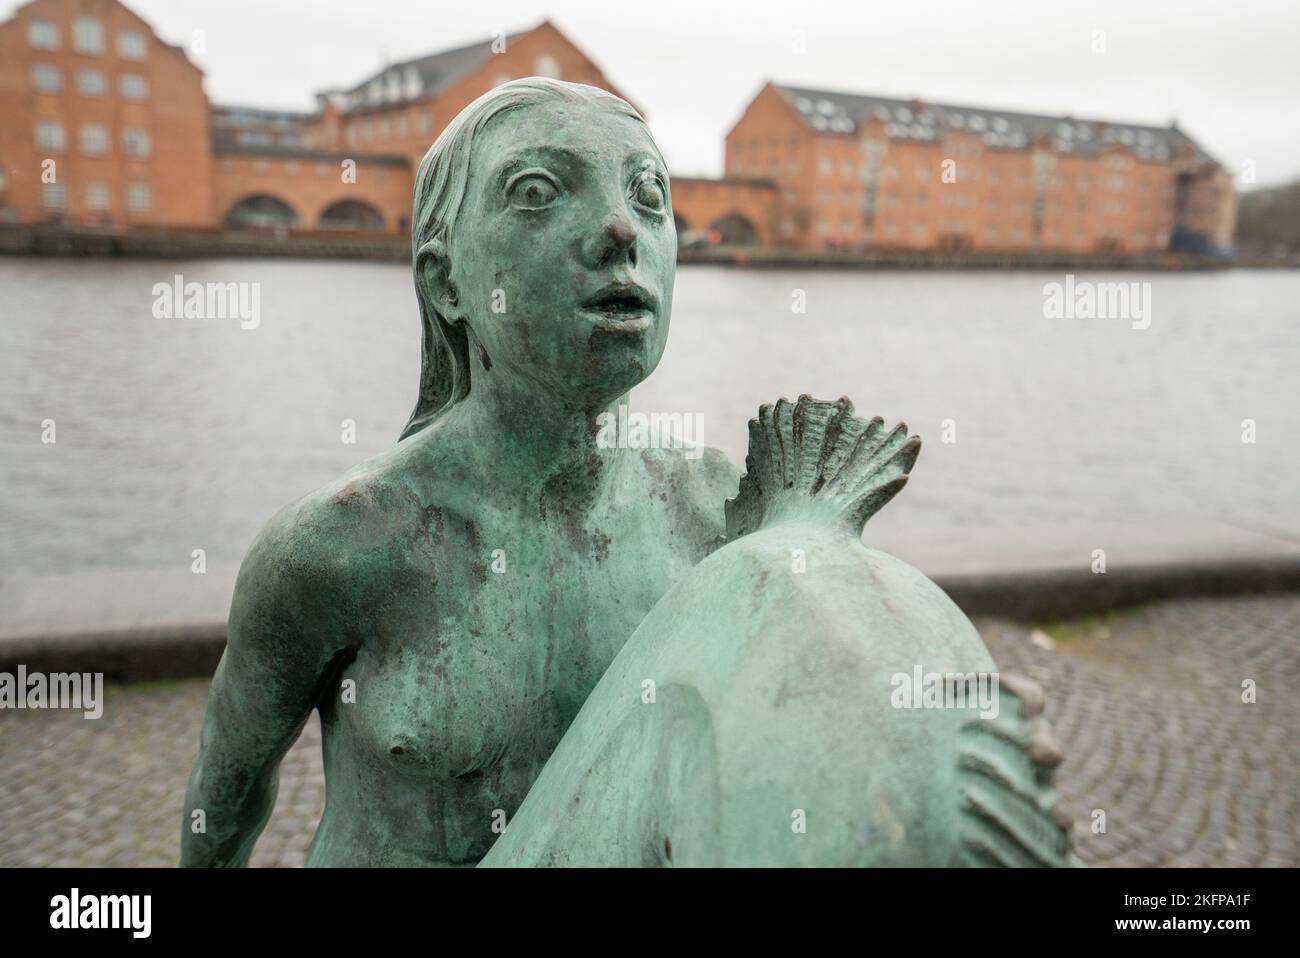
x=193, y=650
x=1052, y=594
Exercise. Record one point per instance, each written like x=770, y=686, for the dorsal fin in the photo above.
x=812, y=459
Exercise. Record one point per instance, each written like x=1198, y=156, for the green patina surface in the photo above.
x=453, y=605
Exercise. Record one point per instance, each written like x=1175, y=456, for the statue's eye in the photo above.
x=533, y=191
x=648, y=191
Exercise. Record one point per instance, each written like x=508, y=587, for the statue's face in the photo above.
x=564, y=250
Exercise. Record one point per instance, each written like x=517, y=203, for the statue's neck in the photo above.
x=526, y=444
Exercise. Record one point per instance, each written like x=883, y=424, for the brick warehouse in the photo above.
x=862, y=171
x=104, y=124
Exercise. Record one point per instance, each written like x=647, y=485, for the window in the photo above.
x=131, y=45
x=46, y=79
x=49, y=136
x=424, y=121
x=96, y=196
x=547, y=66
x=94, y=139
x=135, y=142
x=54, y=196
x=139, y=197
x=42, y=35
x=90, y=83
x=133, y=86
x=87, y=35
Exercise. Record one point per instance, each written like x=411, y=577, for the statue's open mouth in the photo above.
x=622, y=303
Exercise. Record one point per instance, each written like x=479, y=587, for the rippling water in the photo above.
x=1070, y=434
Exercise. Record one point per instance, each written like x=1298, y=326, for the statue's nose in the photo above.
x=615, y=238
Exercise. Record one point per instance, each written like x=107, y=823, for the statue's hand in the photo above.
x=814, y=460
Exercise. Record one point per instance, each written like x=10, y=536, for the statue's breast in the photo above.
x=481, y=648
x=450, y=705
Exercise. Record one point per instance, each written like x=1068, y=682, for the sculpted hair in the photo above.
x=439, y=193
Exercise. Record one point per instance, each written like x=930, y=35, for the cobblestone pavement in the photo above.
x=1147, y=705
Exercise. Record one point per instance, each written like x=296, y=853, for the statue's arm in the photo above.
x=281, y=653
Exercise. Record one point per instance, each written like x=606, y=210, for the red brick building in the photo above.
x=732, y=210
x=101, y=122
x=862, y=171
x=402, y=108
x=104, y=124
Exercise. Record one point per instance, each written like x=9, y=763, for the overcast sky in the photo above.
x=1229, y=71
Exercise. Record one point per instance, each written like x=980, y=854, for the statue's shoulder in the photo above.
x=704, y=470
x=694, y=483
x=322, y=547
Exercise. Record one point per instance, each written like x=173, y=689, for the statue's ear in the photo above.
x=433, y=267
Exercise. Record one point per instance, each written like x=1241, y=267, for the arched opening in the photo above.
x=351, y=215
x=735, y=230
x=261, y=211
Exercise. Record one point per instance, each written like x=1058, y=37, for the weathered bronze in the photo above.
x=450, y=605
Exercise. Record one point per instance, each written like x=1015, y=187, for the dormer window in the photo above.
x=414, y=85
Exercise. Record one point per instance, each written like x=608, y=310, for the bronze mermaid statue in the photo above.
x=530, y=647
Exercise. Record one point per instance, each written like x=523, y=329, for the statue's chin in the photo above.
x=618, y=366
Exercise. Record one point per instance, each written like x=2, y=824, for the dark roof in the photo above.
x=261, y=114
x=834, y=112
x=421, y=77
x=759, y=182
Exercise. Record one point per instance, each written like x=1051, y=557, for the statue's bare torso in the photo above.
x=477, y=630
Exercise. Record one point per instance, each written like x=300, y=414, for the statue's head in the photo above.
x=544, y=248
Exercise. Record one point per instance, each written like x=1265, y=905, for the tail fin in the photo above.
x=1010, y=815
x=817, y=458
